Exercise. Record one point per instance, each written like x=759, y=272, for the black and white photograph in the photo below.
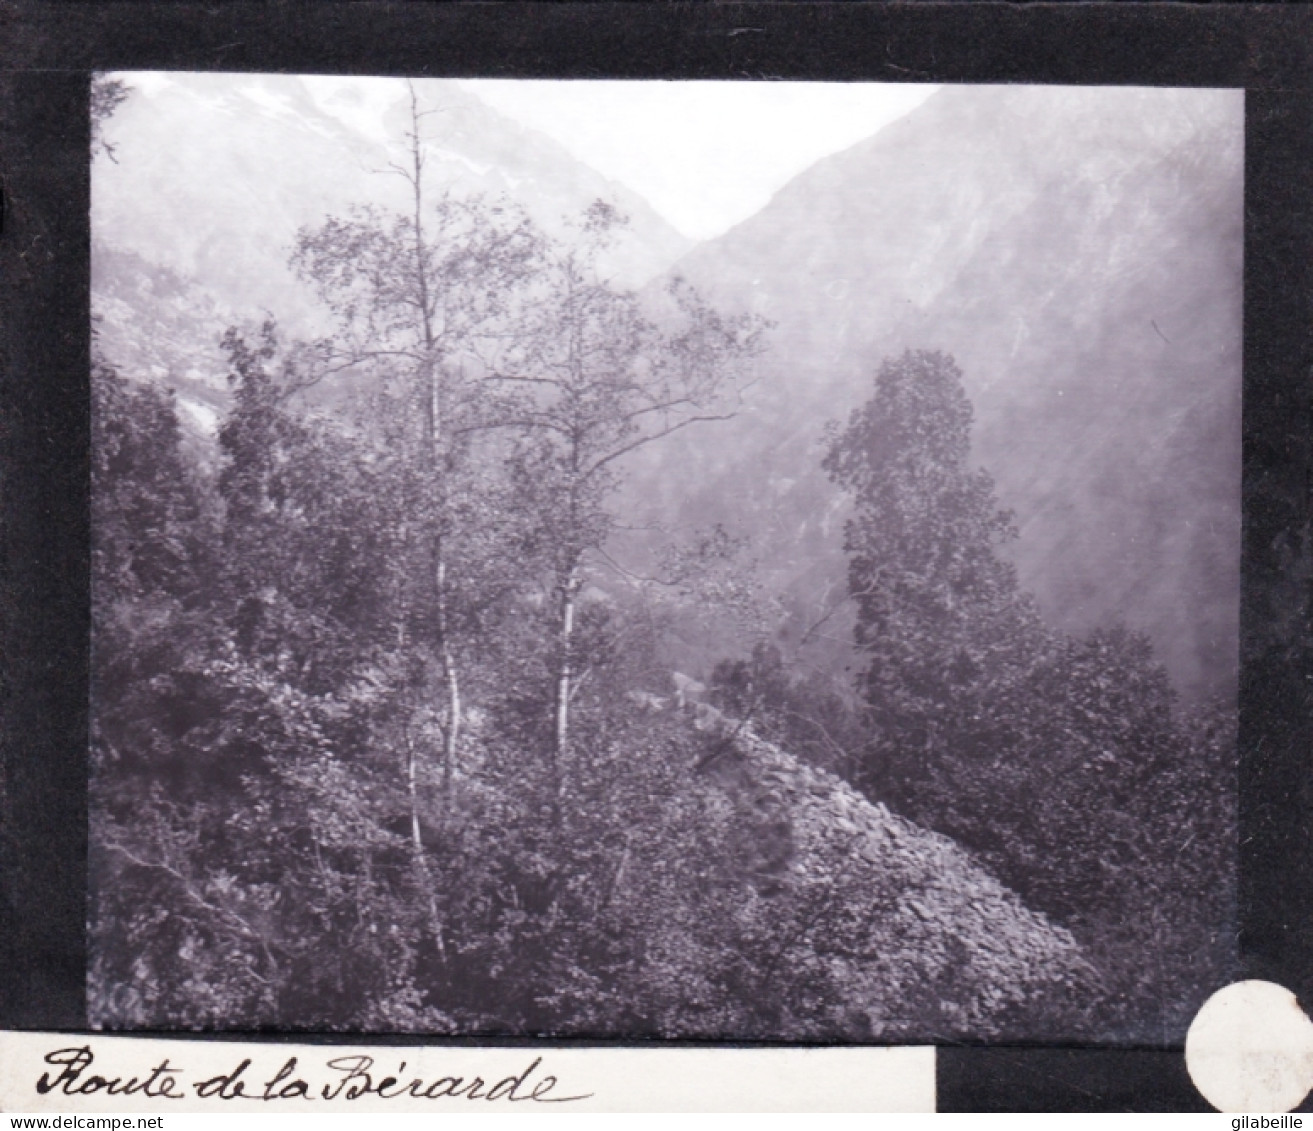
x=737, y=561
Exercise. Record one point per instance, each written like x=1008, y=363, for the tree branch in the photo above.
x=651, y=437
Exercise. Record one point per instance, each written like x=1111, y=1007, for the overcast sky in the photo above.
x=706, y=155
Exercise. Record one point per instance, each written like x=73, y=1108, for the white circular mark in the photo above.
x=1250, y=1049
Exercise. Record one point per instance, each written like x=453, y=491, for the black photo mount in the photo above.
x=49, y=51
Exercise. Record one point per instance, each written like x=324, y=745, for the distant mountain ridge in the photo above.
x=214, y=174
x=1078, y=252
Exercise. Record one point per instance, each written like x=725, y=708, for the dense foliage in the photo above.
x=376, y=743
x=1067, y=763
x=283, y=835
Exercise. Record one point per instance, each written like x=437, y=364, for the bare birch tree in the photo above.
x=592, y=377
x=412, y=294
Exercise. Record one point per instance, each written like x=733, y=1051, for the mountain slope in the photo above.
x=1078, y=251
x=931, y=946
x=214, y=174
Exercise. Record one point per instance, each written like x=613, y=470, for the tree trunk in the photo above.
x=450, y=677
x=446, y=657
x=430, y=375
x=411, y=766
x=425, y=876
x=569, y=589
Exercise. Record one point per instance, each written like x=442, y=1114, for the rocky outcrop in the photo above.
x=930, y=945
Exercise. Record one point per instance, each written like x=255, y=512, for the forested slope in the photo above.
x=923, y=938
x=448, y=667
x=1078, y=252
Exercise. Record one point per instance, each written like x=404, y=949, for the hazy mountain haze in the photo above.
x=706, y=154
x=232, y=166
x=1078, y=251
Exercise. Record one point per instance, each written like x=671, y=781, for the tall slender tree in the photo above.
x=591, y=378
x=413, y=293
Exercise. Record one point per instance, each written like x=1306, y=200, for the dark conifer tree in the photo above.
x=941, y=621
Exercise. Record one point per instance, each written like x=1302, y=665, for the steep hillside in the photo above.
x=157, y=326
x=213, y=175
x=930, y=944
x=1078, y=251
